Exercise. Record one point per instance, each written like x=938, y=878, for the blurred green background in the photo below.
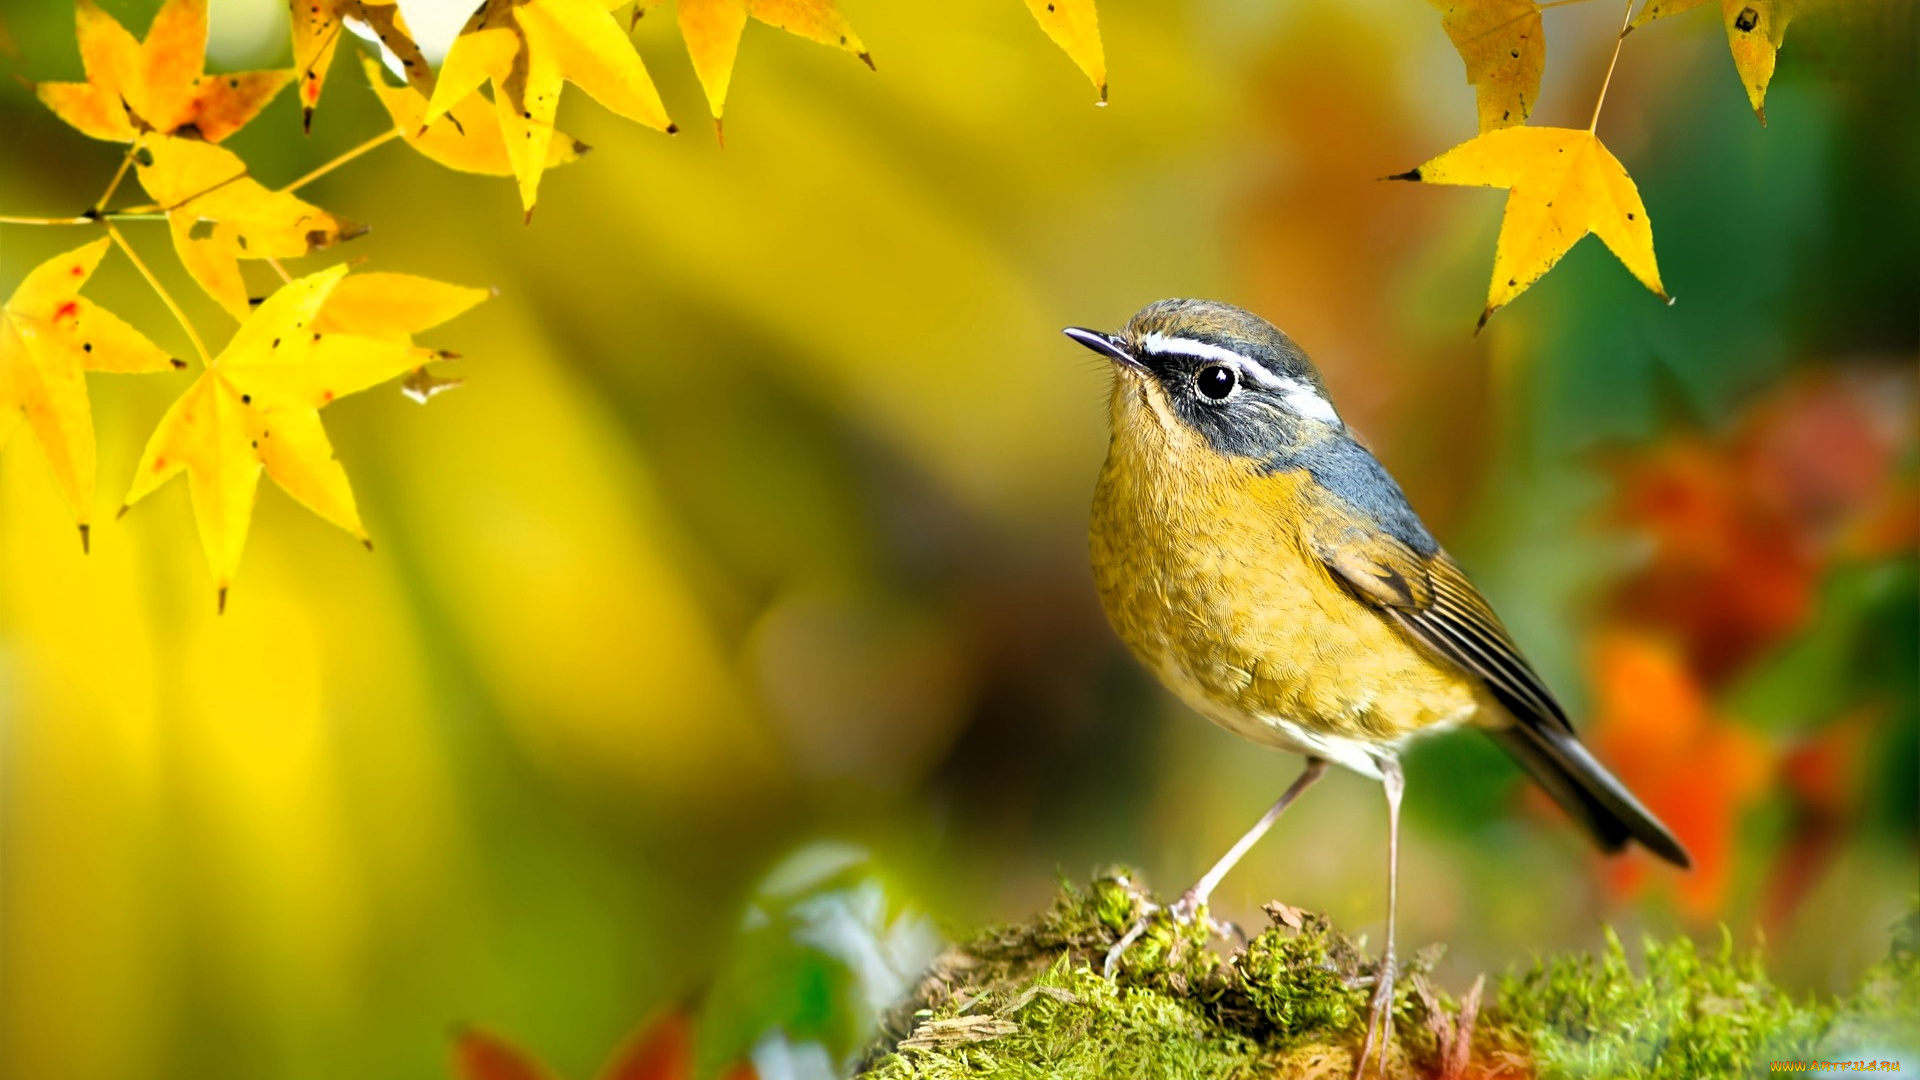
x=761, y=522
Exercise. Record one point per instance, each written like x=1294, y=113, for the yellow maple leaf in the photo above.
x=1074, y=25
x=317, y=26
x=1754, y=32
x=159, y=84
x=528, y=49
x=256, y=406
x=1504, y=46
x=219, y=215
x=50, y=337
x=1563, y=185
x=467, y=138
x=712, y=30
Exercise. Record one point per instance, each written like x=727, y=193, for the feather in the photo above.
x=1429, y=596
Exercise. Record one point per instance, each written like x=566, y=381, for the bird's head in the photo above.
x=1210, y=369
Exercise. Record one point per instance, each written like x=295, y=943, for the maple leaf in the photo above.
x=1074, y=25
x=1754, y=32
x=1564, y=184
x=467, y=138
x=528, y=49
x=256, y=406
x=159, y=84
x=219, y=215
x=712, y=30
x=50, y=337
x=317, y=26
x=1504, y=46
x=1696, y=771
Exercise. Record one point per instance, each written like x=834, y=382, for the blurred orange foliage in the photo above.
x=1697, y=770
x=1742, y=525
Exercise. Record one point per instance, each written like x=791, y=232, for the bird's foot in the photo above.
x=1191, y=908
x=1132, y=935
x=1379, y=1021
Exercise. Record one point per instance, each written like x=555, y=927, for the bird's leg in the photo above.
x=1188, y=906
x=1191, y=901
x=1380, y=1014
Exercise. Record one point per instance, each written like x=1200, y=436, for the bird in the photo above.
x=1261, y=562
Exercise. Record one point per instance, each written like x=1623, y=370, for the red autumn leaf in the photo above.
x=662, y=1050
x=480, y=1056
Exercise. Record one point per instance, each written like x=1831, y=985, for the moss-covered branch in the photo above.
x=1029, y=1001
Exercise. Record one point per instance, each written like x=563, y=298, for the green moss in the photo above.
x=1303, y=984
x=1029, y=1000
x=1688, y=1015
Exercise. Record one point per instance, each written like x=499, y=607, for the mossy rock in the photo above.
x=1029, y=1000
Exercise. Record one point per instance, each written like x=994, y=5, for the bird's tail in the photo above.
x=1586, y=790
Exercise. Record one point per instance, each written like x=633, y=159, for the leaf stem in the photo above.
x=137, y=213
x=1559, y=3
x=165, y=297
x=285, y=278
x=373, y=143
x=118, y=175
x=1625, y=20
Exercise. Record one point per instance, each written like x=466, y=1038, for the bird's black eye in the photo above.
x=1216, y=381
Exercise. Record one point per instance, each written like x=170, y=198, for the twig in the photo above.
x=370, y=144
x=1625, y=20
x=165, y=297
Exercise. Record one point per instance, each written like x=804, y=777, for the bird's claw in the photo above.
x=1379, y=1020
x=1132, y=935
x=1187, y=910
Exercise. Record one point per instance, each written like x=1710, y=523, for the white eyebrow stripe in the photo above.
x=1157, y=342
x=1294, y=394
x=1304, y=400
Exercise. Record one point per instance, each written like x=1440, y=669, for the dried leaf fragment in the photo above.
x=219, y=215
x=1504, y=46
x=1755, y=29
x=159, y=84
x=528, y=49
x=256, y=406
x=50, y=337
x=421, y=386
x=1563, y=185
x=1074, y=25
x=958, y=1031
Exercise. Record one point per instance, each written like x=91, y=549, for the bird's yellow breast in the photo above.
x=1203, y=568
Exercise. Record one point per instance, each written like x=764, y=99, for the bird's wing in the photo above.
x=1368, y=537
x=1432, y=599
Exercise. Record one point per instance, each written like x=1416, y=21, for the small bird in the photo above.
x=1265, y=566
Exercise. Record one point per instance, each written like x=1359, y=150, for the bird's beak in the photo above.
x=1107, y=345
